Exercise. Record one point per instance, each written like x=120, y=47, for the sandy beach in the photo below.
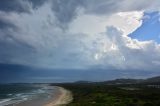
x=63, y=98
x=59, y=97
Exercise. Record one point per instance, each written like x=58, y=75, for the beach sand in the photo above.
x=58, y=98
x=63, y=98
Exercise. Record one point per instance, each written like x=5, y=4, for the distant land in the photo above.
x=152, y=80
x=118, y=92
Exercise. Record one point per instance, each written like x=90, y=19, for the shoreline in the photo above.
x=59, y=96
x=64, y=98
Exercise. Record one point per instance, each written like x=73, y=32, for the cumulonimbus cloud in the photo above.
x=95, y=34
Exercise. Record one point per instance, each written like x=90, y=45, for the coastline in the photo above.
x=63, y=98
x=58, y=97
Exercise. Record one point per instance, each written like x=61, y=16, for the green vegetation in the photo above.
x=95, y=94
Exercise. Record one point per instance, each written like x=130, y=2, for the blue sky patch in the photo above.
x=150, y=28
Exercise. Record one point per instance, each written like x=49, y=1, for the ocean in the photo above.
x=16, y=93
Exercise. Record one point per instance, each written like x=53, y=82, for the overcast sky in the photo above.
x=81, y=35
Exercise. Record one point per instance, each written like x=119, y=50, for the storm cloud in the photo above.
x=76, y=34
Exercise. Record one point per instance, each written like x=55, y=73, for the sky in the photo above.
x=72, y=40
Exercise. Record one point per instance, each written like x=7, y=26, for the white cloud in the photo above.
x=94, y=24
x=90, y=40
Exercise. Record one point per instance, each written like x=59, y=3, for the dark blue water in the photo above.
x=14, y=93
x=7, y=90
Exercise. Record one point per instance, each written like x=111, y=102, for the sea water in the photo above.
x=16, y=93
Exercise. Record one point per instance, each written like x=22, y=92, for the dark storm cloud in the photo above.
x=5, y=24
x=32, y=44
x=20, y=5
x=65, y=10
x=13, y=5
x=13, y=73
x=11, y=47
x=37, y=3
x=101, y=6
